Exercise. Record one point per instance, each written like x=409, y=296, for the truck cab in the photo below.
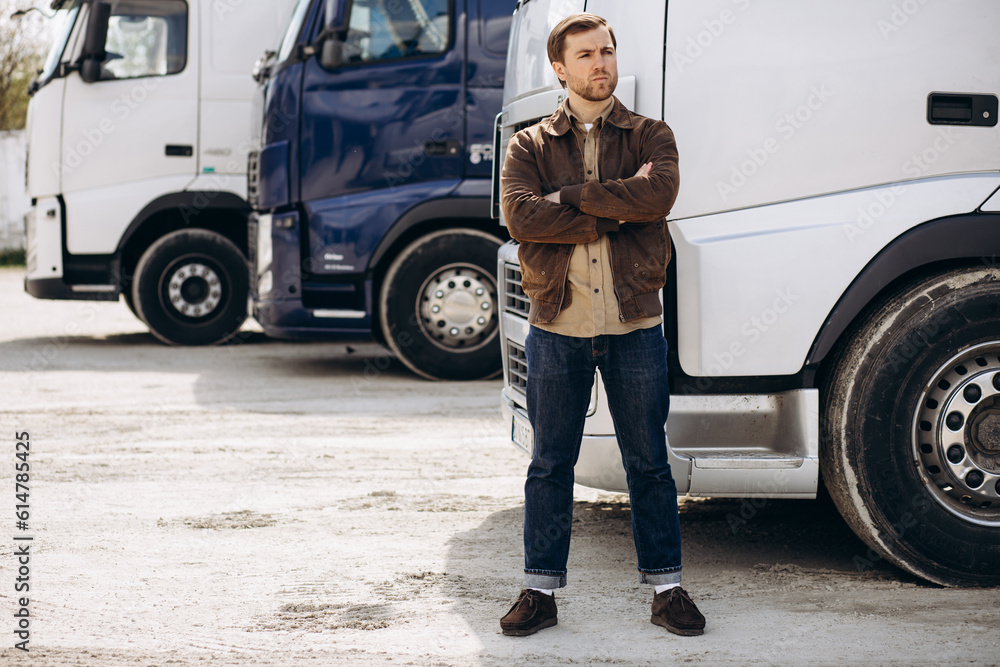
x=831, y=309
x=138, y=131
x=371, y=188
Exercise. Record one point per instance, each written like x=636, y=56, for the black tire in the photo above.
x=890, y=455
x=190, y=288
x=454, y=272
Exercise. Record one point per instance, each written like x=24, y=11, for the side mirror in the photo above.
x=90, y=70
x=336, y=14
x=95, y=38
x=262, y=68
x=332, y=54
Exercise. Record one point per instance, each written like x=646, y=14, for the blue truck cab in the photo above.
x=371, y=187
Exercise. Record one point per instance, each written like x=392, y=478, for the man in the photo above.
x=585, y=192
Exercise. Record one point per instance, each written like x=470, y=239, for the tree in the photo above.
x=20, y=57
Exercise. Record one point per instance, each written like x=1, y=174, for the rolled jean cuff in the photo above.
x=542, y=580
x=658, y=578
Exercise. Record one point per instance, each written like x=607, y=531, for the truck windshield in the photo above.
x=294, y=26
x=64, y=19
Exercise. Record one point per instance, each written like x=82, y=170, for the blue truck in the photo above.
x=371, y=186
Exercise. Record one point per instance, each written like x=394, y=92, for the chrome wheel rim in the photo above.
x=457, y=306
x=956, y=435
x=194, y=290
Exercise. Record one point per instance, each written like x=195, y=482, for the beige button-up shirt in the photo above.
x=593, y=309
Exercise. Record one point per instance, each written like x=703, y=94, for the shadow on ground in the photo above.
x=732, y=549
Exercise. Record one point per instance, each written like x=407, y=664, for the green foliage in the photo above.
x=14, y=114
x=12, y=257
x=20, y=58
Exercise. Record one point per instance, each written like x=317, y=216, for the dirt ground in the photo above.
x=316, y=504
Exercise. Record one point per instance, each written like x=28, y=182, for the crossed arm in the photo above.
x=582, y=213
x=643, y=171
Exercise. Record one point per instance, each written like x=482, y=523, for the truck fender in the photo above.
x=458, y=208
x=189, y=204
x=974, y=236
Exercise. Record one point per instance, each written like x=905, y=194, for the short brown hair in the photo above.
x=571, y=25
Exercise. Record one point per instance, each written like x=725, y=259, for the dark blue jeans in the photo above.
x=560, y=377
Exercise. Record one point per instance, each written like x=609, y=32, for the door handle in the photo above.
x=962, y=109
x=174, y=150
x=442, y=148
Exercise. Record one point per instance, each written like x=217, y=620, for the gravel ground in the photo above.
x=316, y=504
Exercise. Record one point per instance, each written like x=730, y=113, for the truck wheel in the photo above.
x=439, y=306
x=190, y=288
x=911, y=449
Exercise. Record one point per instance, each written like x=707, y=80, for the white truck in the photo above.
x=833, y=310
x=138, y=134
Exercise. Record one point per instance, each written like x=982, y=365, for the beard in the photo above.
x=594, y=91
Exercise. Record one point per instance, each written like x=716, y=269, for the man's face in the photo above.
x=590, y=65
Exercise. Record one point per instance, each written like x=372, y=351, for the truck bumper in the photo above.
x=55, y=288
x=290, y=320
x=335, y=311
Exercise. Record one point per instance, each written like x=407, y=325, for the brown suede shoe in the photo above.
x=674, y=610
x=532, y=612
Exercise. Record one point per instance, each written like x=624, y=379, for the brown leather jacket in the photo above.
x=548, y=157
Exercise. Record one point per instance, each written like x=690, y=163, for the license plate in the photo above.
x=521, y=433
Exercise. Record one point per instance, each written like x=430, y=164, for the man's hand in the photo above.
x=553, y=197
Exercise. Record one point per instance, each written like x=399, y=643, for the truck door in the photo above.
x=384, y=129
x=130, y=136
x=484, y=84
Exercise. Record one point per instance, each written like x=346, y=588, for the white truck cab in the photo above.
x=832, y=310
x=138, y=133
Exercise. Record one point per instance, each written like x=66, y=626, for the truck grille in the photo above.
x=517, y=363
x=253, y=178
x=515, y=300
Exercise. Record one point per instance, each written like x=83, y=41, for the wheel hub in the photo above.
x=194, y=290
x=984, y=435
x=957, y=435
x=457, y=306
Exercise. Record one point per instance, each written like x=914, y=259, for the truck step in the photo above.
x=743, y=460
